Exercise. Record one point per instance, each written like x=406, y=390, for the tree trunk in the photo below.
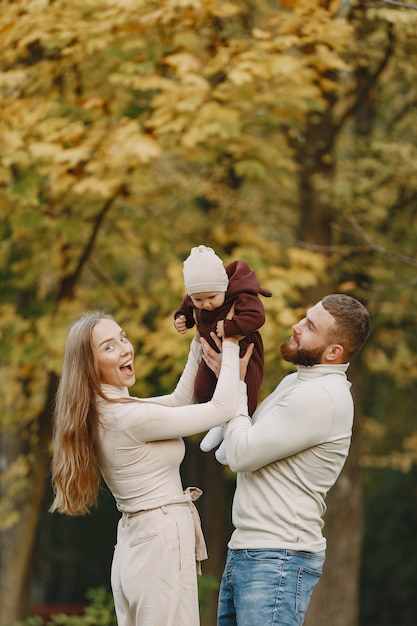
x=16, y=551
x=335, y=600
x=16, y=543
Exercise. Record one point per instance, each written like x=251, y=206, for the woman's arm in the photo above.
x=150, y=421
x=213, y=358
x=184, y=391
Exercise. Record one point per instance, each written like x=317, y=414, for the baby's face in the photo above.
x=208, y=300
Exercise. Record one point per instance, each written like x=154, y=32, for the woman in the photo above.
x=136, y=445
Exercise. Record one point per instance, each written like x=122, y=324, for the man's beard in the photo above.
x=293, y=354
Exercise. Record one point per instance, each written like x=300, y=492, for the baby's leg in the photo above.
x=220, y=454
x=212, y=438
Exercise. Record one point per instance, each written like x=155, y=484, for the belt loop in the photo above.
x=164, y=509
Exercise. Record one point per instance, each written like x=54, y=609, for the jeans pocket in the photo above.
x=307, y=580
x=264, y=555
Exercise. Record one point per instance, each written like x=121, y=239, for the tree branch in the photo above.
x=402, y=5
x=69, y=282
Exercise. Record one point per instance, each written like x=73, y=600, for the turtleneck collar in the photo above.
x=305, y=372
x=112, y=391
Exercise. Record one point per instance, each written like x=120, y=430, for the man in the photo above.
x=287, y=457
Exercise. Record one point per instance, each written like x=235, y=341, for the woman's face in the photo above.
x=114, y=354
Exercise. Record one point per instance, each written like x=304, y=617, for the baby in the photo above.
x=212, y=289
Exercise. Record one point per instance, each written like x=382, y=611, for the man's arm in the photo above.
x=283, y=427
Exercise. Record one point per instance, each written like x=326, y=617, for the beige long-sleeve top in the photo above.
x=140, y=442
x=287, y=457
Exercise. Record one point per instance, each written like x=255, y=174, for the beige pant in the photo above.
x=154, y=577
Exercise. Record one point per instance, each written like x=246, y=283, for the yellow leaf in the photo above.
x=258, y=33
x=13, y=78
x=183, y=62
x=70, y=156
x=91, y=184
x=240, y=76
x=225, y=9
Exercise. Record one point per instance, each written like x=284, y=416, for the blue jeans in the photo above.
x=267, y=587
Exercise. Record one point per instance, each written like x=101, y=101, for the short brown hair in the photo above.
x=352, y=326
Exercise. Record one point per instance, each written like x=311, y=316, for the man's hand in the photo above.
x=244, y=361
x=213, y=359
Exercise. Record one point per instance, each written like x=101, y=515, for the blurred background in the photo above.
x=281, y=133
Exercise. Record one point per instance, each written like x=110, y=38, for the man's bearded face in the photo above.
x=291, y=352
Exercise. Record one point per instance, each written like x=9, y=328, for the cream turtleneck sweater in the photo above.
x=287, y=457
x=140, y=442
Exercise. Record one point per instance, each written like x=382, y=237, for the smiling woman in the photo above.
x=136, y=445
x=114, y=353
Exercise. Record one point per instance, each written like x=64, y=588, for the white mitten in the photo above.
x=220, y=454
x=212, y=438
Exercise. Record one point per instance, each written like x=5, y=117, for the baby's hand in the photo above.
x=220, y=328
x=180, y=324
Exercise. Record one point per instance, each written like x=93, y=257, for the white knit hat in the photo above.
x=204, y=271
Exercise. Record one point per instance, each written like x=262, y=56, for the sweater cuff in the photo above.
x=242, y=406
x=230, y=345
x=196, y=349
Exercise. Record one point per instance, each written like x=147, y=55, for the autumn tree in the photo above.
x=349, y=167
x=132, y=131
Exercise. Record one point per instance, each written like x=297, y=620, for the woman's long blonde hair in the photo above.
x=75, y=469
